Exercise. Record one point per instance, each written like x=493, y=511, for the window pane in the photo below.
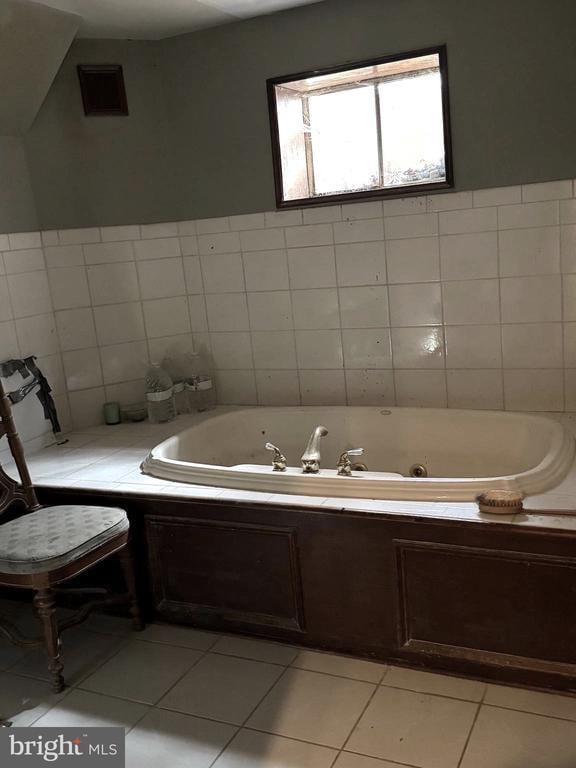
x=344, y=140
x=412, y=130
x=292, y=144
x=358, y=130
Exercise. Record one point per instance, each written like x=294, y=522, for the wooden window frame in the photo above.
x=344, y=197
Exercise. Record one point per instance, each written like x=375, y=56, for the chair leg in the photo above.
x=45, y=605
x=127, y=562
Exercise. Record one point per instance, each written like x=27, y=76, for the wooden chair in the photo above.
x=52, y=545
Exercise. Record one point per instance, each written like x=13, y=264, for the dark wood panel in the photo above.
x=497, y=607
x=348, y=593
x=236, y=573
x=491, y=601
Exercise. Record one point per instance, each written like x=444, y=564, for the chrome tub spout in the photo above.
x=311, y=456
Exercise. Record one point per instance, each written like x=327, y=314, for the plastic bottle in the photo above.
x=159, y=395
x=206, y=393
x=199, y=386
x=176, y=371
x=181, y=402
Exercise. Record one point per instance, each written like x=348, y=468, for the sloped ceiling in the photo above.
x=33, y=42
x=156, y=19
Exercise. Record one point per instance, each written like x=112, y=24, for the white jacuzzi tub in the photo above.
x=464, y=452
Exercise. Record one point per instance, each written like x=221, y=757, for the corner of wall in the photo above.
x=18, y=212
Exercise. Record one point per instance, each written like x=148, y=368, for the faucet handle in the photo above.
x=278, y=460
x=344, y=463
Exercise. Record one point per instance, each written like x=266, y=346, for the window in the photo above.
x=365, y=130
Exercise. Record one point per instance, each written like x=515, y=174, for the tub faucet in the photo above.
x=311, y=456
x=279, y=460
x=344, y=462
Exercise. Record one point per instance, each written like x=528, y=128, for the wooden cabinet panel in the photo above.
x=487, y=605
x=236, y=573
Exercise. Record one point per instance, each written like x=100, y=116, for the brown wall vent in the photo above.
x=102, y=87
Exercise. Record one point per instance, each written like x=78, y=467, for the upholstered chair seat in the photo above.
x=52, y=537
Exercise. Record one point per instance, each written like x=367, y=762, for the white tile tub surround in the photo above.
x=463, y=299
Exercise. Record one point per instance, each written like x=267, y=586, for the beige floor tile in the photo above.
x=258, y=650
x=502, y=738
x=414, y=728
x=536, y=702
x=92, y=710
x=173, y=634
x=429, y=682
x=12, y=608
x=312, y=707
x=356, y=669
x=175, y=741
x=222, y=688
x=82, y=653
x=24, y=616
x=23, y=700
x=348, y=760
x=250, y=749
x=10, y=654
x=142, y=671
x=110, y=625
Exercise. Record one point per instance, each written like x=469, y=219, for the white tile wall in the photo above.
x=465, y=300
x=278, y=386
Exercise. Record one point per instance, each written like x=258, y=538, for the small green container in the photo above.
x=112, y=413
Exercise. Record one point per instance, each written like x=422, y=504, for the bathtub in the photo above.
x=463, y=452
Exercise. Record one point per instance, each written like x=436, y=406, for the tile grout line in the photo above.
x=252, y=711
x=431, y=693
x=339, y=308
x=153, y=705
x=562, y=320
x=381, y=759
x=70, y=688
x=293, y=329
x=389, y=313
x=475, y=719
x=361, y=715
x=90, y=292
x=500, y=315
x=249, y=332
x=442, y=323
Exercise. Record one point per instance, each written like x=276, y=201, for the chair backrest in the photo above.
x=11, y=490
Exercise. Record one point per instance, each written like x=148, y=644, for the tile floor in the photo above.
x=209, y=700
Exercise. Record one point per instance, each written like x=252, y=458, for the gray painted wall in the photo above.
x=33, y=41
x=103, y=170
x=17, y=209
x=512, y=69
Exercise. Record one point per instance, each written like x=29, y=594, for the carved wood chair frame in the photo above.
x=43, y=584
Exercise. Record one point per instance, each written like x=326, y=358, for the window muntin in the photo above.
x=370, y=130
